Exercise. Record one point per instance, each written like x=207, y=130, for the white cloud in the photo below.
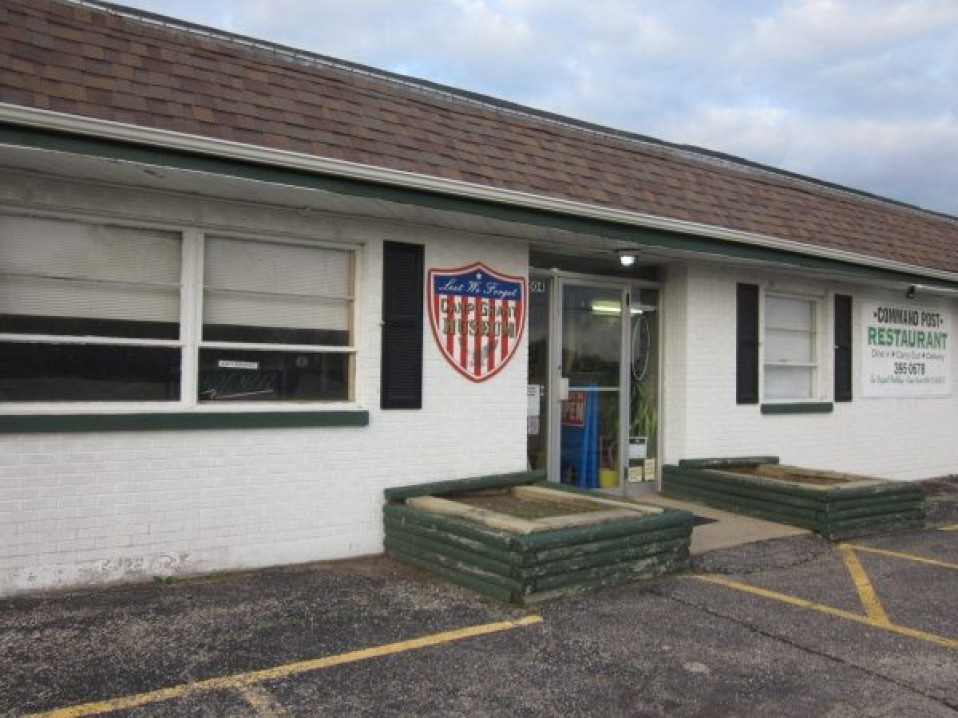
x=812, y=30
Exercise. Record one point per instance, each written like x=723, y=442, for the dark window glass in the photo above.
x=244, y=375
x=64, y=372
x=274, y=335
x=81, y=327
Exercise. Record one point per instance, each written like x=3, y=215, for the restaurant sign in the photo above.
x=477, y=316
x=906, y=350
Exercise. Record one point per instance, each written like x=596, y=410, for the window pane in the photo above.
x=277, y=294
x=789, y=313
x=59, y=372
x=785, y=383
x=240, y=375
x=76, y=279
x=591, y=335
x=789, y=346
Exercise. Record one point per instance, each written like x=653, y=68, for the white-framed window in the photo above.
x=107, y=315
x=790, y=348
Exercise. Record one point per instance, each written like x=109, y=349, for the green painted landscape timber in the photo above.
x=412, y=542
x=750, y=483
x=612, y=529
x=916, y=497
x=877, y=509
x=877, y=520
x=716, y=496
x=452, y=563
x=624, y=570
x=837, y=506
x=463, y=579
x=715, y=499
x=434, y=527
x=426, y=531
x=752, y=490
x=546, y=559
x=564, y=552
x=457, y=486
x=649, y=571
x=459, y=527
x=729, y=461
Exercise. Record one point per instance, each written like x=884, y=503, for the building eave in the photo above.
x=168, y=140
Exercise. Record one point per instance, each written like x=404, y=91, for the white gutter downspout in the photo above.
x=167, y=139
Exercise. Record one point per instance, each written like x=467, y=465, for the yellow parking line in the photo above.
x=953, y=527
x=866, y=592
x=906, y=556
x=239, y=680
x=857, y=618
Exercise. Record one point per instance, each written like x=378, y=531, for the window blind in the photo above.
x=51, y=268
x=255, y=284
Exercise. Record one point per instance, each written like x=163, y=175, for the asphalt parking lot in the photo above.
x=791, y=627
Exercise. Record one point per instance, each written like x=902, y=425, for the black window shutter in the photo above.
x=402, y=326
x=746, y=355
x=843, y=347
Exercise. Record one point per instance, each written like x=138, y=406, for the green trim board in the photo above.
x=22, y=136
x=528, y=568
x=179, y=421
x=806, y=407
x=837, y=506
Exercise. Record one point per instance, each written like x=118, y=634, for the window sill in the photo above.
x=179, y=421
x=806, y=407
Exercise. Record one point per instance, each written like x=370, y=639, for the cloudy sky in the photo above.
x=859, y=92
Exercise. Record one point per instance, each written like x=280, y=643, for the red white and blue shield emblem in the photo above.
x=477, y=316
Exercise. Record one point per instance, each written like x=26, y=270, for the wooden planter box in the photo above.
x=517, y=538
x=837, y=506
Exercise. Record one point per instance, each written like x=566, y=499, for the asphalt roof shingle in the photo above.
x=91, y=62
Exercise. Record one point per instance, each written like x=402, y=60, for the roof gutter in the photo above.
x=167, y=139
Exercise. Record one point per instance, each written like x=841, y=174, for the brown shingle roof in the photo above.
x=85, y=61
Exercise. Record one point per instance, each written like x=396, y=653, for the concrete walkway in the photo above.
x=724, y=530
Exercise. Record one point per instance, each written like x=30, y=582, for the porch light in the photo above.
x=627, y=257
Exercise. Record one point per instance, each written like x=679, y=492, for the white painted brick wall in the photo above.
x=895, y=438
x=93, y=508
x=89, y=508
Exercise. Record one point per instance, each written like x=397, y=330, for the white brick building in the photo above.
x=192, y=242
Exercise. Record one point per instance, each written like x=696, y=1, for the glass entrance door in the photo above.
x=593, y=377
x=593, y=381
